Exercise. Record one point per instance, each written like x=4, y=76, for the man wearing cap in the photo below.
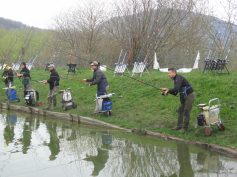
x=53, y=82
x=8, y=76
x=25, y=75
x=187, y=96
x=98, y=79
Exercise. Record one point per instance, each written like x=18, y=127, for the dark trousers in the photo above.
x=26, y=83
x=185, y=110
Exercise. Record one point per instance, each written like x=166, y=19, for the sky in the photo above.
x=38, y=13
x=41, y=13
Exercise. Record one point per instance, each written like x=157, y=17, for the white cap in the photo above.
x=51, y=65
x=94, y=63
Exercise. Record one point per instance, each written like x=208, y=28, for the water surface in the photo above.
x=40, y=147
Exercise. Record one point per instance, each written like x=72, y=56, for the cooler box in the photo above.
x=107, y=105
x=12, y=95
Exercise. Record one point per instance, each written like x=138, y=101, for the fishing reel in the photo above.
x=164, y=91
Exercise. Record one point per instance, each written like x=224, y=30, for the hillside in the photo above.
x=10, y=24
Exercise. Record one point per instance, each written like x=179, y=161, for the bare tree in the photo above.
x=222, y=34
x=67, y=36
x=90, y=21
x=142, y=26
x=81, y=29
x=174, y=29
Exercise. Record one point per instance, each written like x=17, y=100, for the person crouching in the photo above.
x=187, y=97
x=100, y=80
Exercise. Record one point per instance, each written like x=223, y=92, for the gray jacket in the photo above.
x=100, y=80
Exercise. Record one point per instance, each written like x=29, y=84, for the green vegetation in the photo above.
x=136, y=105
x=33, y=42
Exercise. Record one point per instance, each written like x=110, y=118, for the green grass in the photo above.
x=136, y=105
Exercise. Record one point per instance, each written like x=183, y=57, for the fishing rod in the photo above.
x=137, y=80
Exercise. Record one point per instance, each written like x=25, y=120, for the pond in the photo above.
x=39, y=147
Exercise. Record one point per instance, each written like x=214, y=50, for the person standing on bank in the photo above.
x=25, y=76
x=8, y=76
x=100, y=80
x=53, y=82
x=187, y=96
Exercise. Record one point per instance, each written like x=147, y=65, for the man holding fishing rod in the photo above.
x=100, y=80
x=25, y=76
x=187, y=96
x=53, y=82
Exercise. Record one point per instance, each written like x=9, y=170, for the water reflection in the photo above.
x=209, y=161
x=46, y=147
x=73, y=135
x=11, y=120
x=102, y=156
x=54, y=140
x=184, y=160
x=27, y=131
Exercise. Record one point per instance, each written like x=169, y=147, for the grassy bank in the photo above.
x=137, y=105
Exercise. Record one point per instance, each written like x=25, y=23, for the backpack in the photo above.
x=201, y=120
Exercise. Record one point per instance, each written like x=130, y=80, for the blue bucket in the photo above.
x=12, y=95
x=106, y=105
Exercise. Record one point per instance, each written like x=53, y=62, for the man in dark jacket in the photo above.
x=187, y=97
x=100, y=80
x=25, y=76
x=53, y=82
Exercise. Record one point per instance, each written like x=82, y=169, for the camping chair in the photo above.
x=138, y=68
x=71, y=68
x=119, y=68
x=16, y=66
